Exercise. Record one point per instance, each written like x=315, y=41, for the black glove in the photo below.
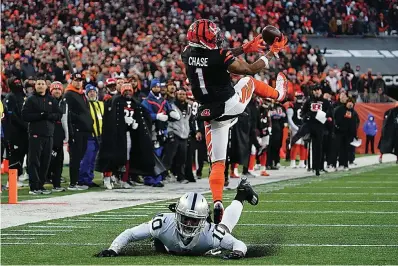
x=44, y=115
x=107, y=253
x=234, y=255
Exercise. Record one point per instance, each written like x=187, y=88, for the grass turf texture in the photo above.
x=292, y=225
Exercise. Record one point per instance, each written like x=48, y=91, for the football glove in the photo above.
x=128, y=120
x=278, y=45
x=107, y=253
x=234, y=255
x=175, y=115
x=162, y=117
x=254, y=46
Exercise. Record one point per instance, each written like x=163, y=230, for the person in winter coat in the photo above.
x=126, y=144
x=160, y=111
x=60, y=137
x=389, y=134
x=370, y=130
x=86, y=172
x=15, y=128
x=80, y=126
x=40, y=111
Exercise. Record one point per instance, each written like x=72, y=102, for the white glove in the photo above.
x=270, y=130
x=134, y=125
x=162, y=117
x=175, y=115
x=129, y=120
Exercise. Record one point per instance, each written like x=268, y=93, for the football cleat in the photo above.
x=247, y=191
x=218, y=212
x=281, y=86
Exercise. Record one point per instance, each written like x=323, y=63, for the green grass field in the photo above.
x=338, y=218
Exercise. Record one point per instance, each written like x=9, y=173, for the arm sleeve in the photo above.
x=28, y=114
x=147, y=106
x=231, y=243
x=290, y=114
x=227, y=57
x=136, y=233
x=64, y=121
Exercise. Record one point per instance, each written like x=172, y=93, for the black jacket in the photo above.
x=15, y=129
x=41, y=111
x=345, y=121
x=389, y=133
x=80, y=119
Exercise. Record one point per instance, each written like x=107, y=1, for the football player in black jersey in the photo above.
x=295, y=121
x=208, y=69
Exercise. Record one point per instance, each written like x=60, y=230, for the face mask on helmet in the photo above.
x=299, y=99
x=191, y=214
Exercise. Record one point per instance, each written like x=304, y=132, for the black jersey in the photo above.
x=297, y=119
x=207, y=73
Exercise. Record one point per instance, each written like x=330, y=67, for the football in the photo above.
x=269, y=34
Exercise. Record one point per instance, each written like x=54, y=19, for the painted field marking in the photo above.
x=37, y=231
x=59, y=226
x=120, y=215
x=332, y=201
x=94, y=220
x=325, y=212
x=334, y=193
x=322, y=225
x=370, y=182
x=249, y=244
x=17, y=238
x=28, y=234
x=347, y=187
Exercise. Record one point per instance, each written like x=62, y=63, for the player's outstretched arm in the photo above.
x=254, y=46
x=241, y=67
x=136, y=233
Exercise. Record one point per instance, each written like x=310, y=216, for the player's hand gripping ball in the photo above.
x=270, y=33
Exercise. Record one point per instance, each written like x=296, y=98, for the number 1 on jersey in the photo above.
x=201, y=80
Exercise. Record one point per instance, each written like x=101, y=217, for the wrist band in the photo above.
x=265, y=59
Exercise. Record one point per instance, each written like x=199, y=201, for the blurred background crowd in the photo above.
x=139, y=43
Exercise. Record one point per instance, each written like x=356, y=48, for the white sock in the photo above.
x=232, y=214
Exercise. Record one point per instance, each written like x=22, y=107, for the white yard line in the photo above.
x=17, y=238
x=120, y=215
x=27, y=234
x=327, y=212
x=331, y=201
x=59, y=226
x=371, y=182
x=334, y=193
x=95, y=220
x=322, y=225
x=38, y=231
x=346, y=187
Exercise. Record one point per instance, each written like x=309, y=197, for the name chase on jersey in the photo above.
x=197, y=61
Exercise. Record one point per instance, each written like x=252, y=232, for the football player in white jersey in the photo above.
x=188, y=230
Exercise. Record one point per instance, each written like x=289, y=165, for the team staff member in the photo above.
x=313, y=126
x=40, y=111
x=80, y=126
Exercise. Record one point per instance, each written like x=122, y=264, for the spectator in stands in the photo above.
x=40, y=111
x=27, y=68
x=345, y=80
x=80, y=127
x=60, y=137
x=87, y=164
x=381, y=97
x=378, y=83
x=333, y=81
x=370, y=130
x=365, y=82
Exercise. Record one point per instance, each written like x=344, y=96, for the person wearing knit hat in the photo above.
x=87, y=164
x=91, y=92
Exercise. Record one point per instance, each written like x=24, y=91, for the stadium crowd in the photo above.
x=129, y=77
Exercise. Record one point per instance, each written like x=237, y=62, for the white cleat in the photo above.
x=293, y=164
x=23, y=177
x=125, y=185
x=281, y=86
x=302, y=164
x=107, y=182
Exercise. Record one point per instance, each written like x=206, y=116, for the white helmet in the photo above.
x=192, y=211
